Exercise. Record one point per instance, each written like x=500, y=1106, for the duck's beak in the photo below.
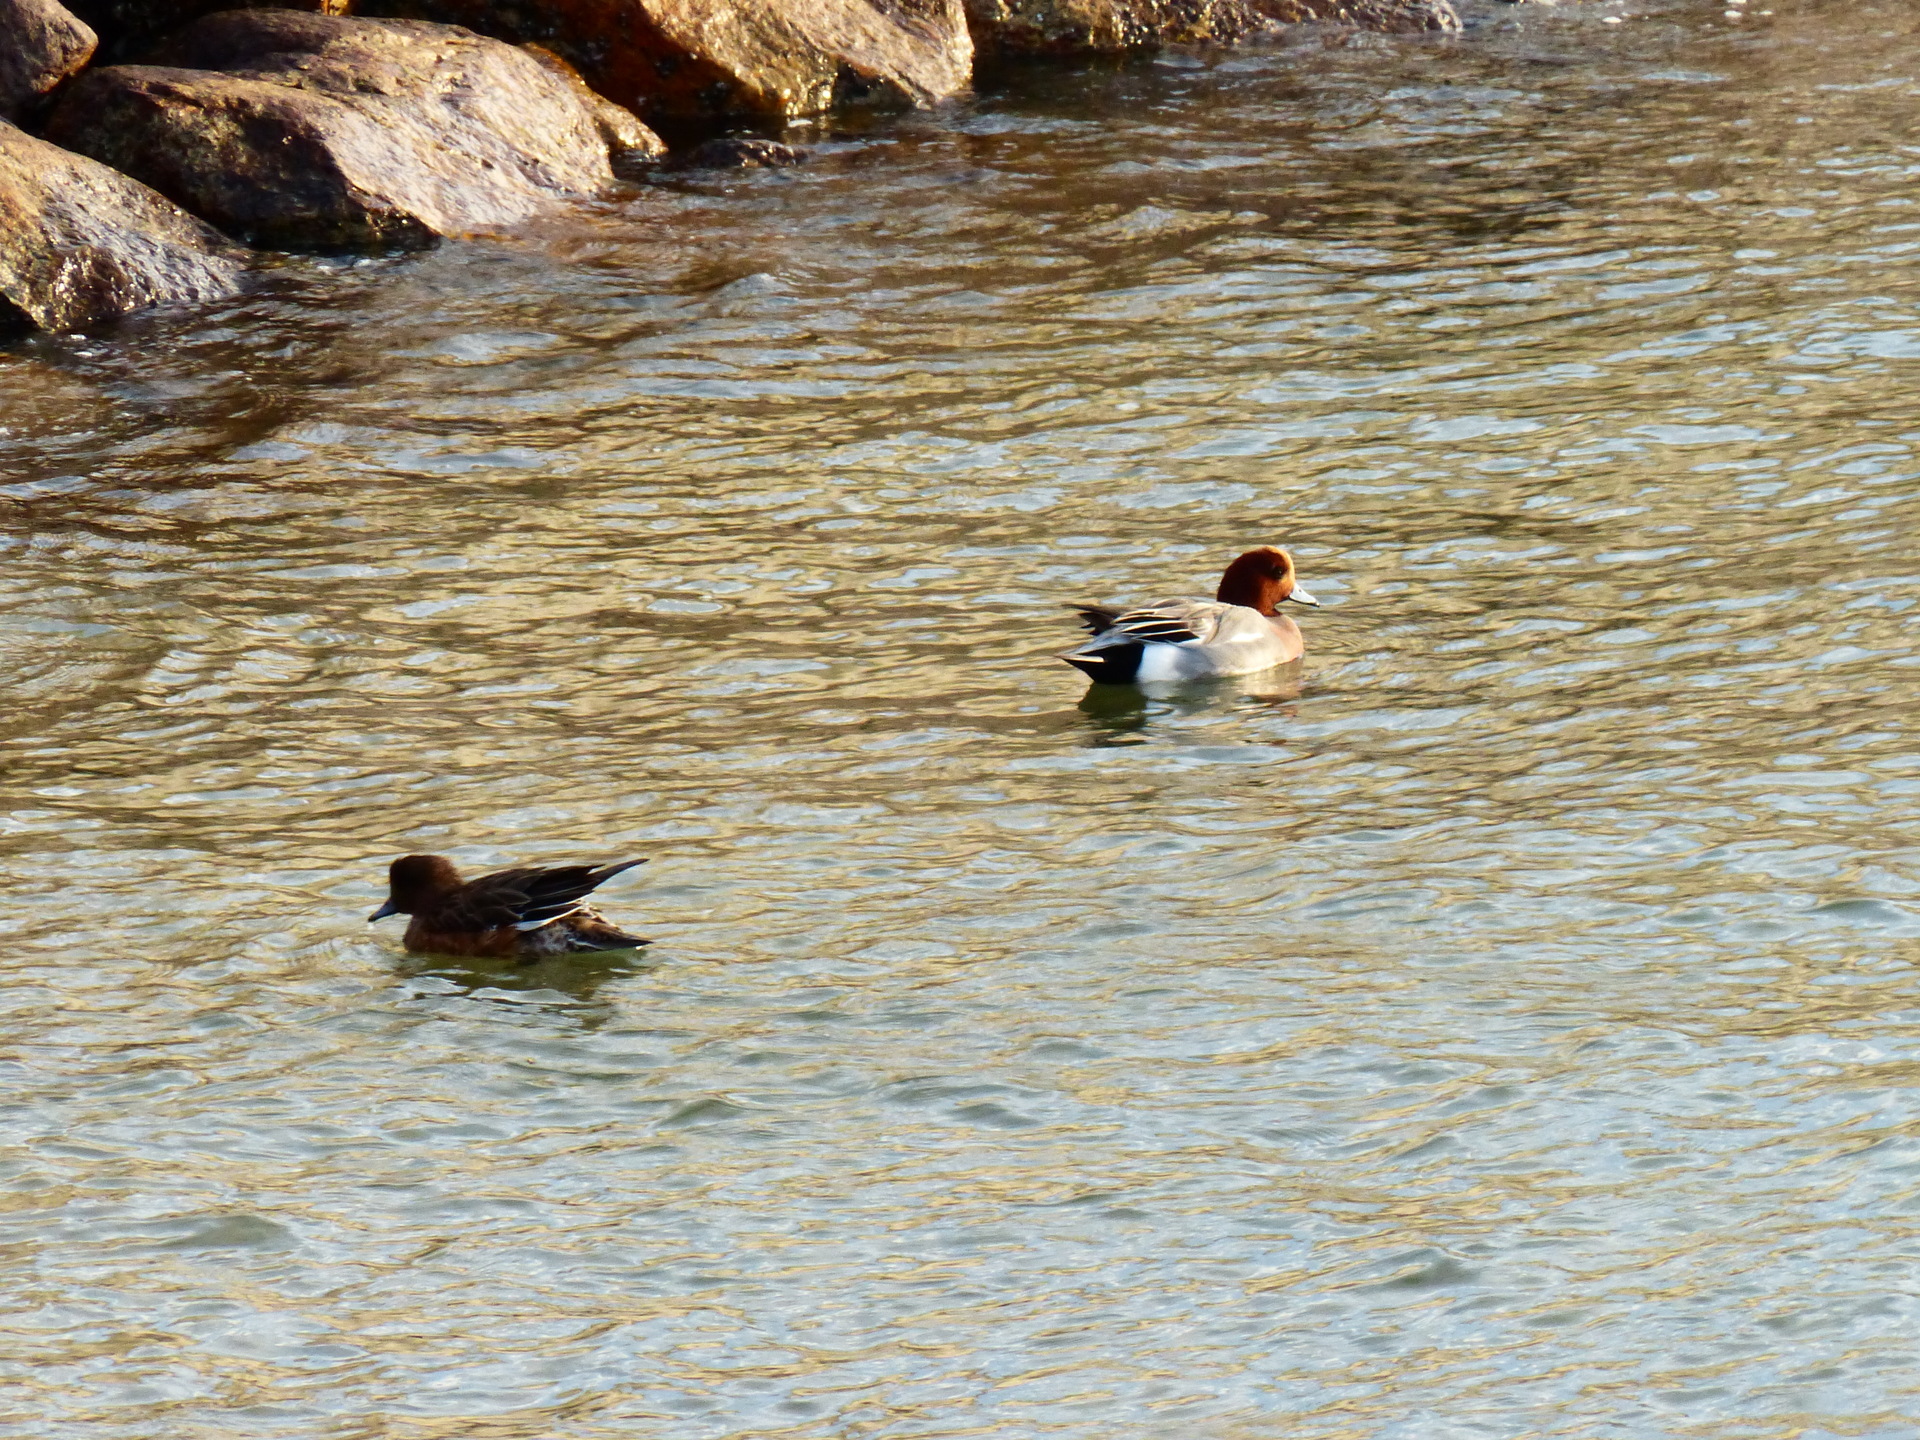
x=382, y=913
x=1299, y=596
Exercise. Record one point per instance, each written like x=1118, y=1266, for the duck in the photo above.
x=1235, y=633
x=526, y=914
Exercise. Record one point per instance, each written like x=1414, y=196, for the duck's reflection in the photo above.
x=1116, y=714
x=570, y=980
x=1121, y=714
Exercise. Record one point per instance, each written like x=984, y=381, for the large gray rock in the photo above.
x=41, y=44
x=713, y=59
x=316, y=132
x=1095, y=27
x=81, y=244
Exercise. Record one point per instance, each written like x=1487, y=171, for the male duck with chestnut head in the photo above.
x=1236, y=633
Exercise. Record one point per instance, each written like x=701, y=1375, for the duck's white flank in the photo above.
x=1193, y=639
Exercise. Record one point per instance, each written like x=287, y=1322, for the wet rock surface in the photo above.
x=708, y=59
x=316, y=132
x=41, y=44
x=82, y=244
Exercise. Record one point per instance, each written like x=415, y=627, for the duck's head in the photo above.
x=1260, y=580
x=415, y=880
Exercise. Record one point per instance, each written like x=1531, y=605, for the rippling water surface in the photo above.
x=1504, y=1027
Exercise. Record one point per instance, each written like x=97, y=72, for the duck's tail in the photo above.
x=590, y=932
x=1108, y=664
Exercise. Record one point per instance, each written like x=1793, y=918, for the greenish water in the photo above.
x=1506, y=1027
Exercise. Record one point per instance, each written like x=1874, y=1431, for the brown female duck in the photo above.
x=526, y=914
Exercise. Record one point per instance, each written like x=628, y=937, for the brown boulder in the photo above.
x=711, y=59
x=83, y=244
x=313, y=132
x=1080, y=27
x=41, y=44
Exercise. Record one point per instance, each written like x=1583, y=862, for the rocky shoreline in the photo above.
x=145, y=144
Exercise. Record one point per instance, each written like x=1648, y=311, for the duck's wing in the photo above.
x=1164, y=622
x=528, y=897
x=1158, y=626
x=1167, y=622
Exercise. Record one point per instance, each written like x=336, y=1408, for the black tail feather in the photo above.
x=1109, y=665
x=607, y=872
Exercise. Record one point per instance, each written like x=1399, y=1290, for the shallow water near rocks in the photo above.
x=1504, y=1026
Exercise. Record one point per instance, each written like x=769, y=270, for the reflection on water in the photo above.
x=568, y=981
x=1504, y=1026
x=1126, y=714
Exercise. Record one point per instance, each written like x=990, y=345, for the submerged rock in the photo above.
x=1403, y=17
x=1081, y=27
x=41, y=44
x=82, y=244
x=315, y=132
x=734, y=153
x=1099, y=27
x=710, y=59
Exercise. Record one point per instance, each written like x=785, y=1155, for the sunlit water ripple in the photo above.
x=1504, y=1027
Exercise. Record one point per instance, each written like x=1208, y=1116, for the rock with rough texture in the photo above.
x=81, y=244
x=1101, y=27
x=313, y=132
x=712, y=59
x=41, y=44
x=128, y=27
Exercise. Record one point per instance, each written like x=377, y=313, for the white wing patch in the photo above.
x=543, y=921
